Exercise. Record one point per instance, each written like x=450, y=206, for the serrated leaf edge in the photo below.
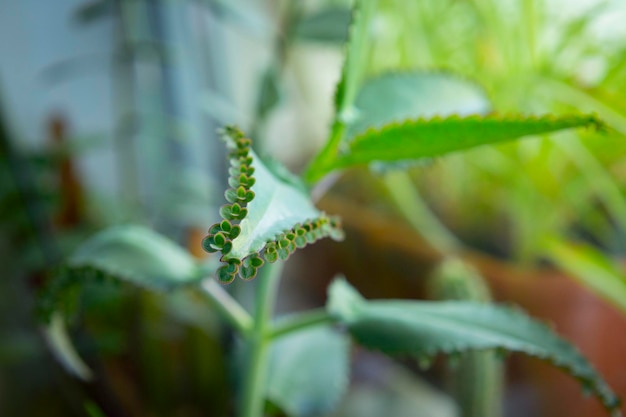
x=587, y=380
x=576, y=120
x=220, y=235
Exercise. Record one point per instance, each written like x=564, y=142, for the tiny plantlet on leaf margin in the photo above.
x=241, y=197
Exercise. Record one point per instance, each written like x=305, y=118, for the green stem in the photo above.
x=259, y=341
x=301, y=321
x=404, y=194
x=227, y=306
x=322, y=163
x=351, y=77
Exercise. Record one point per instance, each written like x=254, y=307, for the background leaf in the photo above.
x=393, y=97
x=591, y=267
x=424, y=329
x=309, y=371
x=351, y=77
x=123, y=253
x=421, y=138
x=138, y=255
x=128, y=253
x=326, y=25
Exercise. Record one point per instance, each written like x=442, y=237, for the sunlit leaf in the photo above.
x=591, y=267
x=351, y=76
x=397, y=96
x=424, y=329
x=357, y=48
x=427, y=138
x=309, y=371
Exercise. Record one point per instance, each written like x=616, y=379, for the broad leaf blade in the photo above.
x=138, y=255
x=309, y=372
x=424, y=329
x=278, y=205
x=590, y=267
x=123, y=253
x=398, y=96
x=128, y=253
x=427, y=138
x=270, y=214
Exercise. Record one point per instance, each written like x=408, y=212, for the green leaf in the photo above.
x=123, y=253
x=427, y=138
x=276, y=207
x=357, y=49
x=425, y=328
x=326, y=25
x=127, y=253
x=138, y=255
x=349, y=83
x=591, y=267
x=398, y=96
x=476, y=379
x=308, y=371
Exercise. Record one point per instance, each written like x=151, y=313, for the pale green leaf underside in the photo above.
x=398, y=96
x=352, y=70
x=309, y=371
x=137, y=254
x=276, y=207
x=427, y=138
x=424, y=329
x=590, y=267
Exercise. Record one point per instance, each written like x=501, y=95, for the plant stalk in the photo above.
x=300, y=322
x=351, y=78
x=227, y=306
x=404, y=194
x=259, y=341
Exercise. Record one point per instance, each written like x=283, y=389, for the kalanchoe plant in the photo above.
x=267, y=228
x=269, y=215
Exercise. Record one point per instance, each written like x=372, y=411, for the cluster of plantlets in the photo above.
x=221, y=235
x=271, y=214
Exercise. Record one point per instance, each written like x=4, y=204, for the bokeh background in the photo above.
x=109, y=111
